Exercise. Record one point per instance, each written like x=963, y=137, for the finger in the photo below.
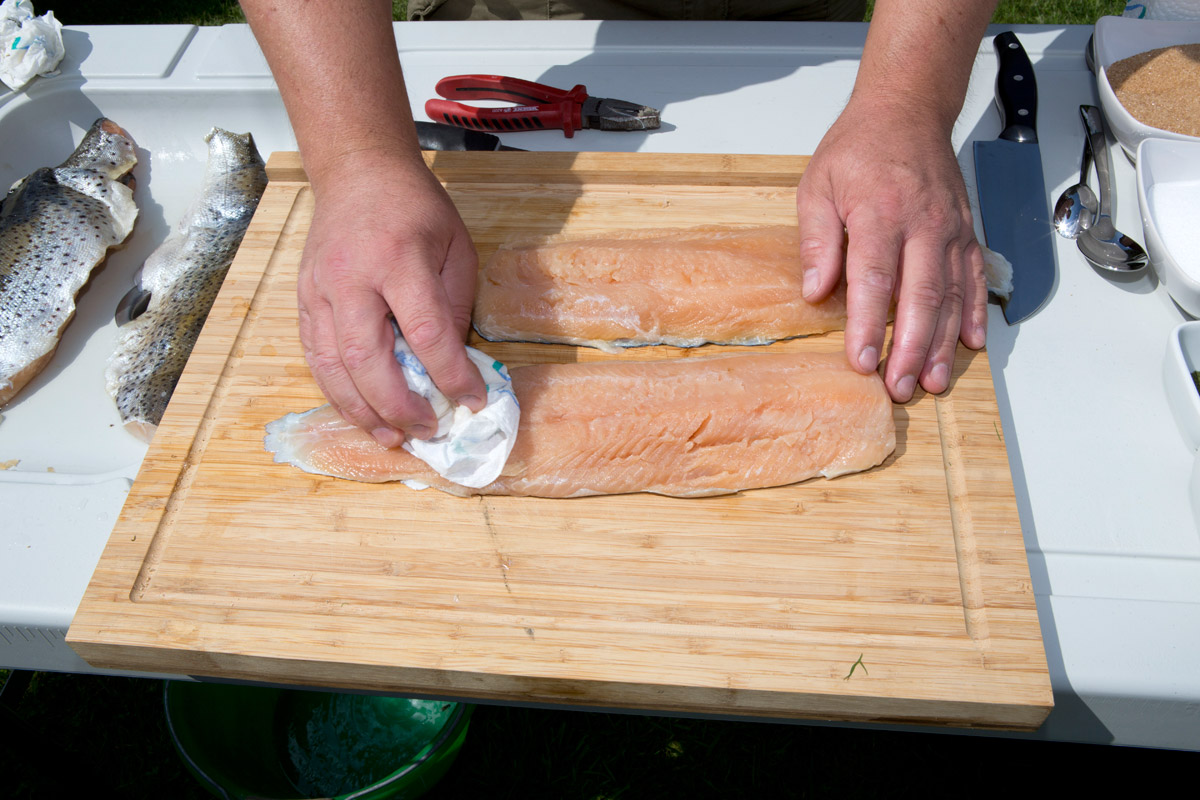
x=427, y=318
x=918, y=310
x=939, y=361
x=974, y=316
x=382, y=402
x=311, y=322
x=822, y=242
x=319, y=334
x=872, y=259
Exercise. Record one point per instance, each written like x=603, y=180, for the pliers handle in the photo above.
x=538, y=106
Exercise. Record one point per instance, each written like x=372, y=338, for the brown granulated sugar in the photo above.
x=1161, y=88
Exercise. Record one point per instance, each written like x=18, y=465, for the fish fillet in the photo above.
x=163, y=314
x=56, y=226
x=686, y=427
x=682, y=287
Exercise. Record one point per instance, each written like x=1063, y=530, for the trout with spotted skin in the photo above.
x=162, y=316
x=56, y=226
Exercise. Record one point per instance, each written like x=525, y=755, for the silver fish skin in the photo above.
x=179, y=282
x=56, y=226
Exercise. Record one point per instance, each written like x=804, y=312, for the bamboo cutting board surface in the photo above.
x=225, y=564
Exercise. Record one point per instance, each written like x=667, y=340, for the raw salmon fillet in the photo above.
x=687, y=427
x=681, y=287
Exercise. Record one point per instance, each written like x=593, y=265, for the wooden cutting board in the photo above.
x=901, y=594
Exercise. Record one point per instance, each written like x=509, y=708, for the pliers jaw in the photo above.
x=606, y=114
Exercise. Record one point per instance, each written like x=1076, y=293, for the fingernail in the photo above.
x=980, y=333
x=811, y=278
x=470, y=401
x=420, y=432
x=905, y=386
x=387, y=437
x=940, y=376
x=868, y=358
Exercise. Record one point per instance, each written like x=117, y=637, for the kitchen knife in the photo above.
x=436, y=136
x=1012, y=190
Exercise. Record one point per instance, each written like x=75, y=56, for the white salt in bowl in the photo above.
x=1168, y=181
x=1122, y=37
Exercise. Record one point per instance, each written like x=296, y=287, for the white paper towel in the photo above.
x=29, y=45
x=469, y=449
x=1164, y=9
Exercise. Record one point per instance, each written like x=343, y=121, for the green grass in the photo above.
x=107, y=736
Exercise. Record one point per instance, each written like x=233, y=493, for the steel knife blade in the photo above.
x=1012, y=189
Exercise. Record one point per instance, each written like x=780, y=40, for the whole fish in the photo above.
x=56, y=226
x=162, y=316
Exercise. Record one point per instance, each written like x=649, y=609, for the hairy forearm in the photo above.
x=339, y=75
x=919, y=53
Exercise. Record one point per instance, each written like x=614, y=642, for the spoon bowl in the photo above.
x=1075, y=211
x=1107, y=248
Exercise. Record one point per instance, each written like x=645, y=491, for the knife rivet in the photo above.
x=1018, y=77
x=1022, y=112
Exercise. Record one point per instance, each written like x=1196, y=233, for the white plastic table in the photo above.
x=1101, y=473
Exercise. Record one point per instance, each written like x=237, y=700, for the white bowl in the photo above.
x=1181, y=359
x=1122, y=37
x=1168, y=183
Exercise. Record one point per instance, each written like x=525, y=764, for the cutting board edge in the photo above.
x=461, y=685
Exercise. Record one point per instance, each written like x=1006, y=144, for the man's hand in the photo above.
x=385, y=239
x=884, y=195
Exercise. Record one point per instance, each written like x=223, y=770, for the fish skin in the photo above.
x=56, y=227
x=181, y=279
x=689, y=427
x=681, y=287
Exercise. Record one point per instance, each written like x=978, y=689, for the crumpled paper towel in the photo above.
x=469, y=449
x=1164, y=9
x=29, y=45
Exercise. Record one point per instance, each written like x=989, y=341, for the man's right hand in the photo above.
x=386, y=240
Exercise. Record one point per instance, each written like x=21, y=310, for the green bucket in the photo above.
x=244, y=742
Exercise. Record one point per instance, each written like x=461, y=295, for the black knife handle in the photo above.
x=436, y=136
x=1016, y=90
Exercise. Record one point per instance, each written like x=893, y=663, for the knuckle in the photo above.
x=813, y=249
x=875, y=278
x=322, y=360
x=422, y=330
x=926, y=293
x=356, y=354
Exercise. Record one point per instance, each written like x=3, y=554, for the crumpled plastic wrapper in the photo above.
x=1164, y=9
x=29, y=45
x=469, y=449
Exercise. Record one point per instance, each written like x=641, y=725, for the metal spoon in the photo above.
x=1076, y=208
x=1102, y=244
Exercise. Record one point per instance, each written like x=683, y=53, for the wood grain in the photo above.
x=225, y=564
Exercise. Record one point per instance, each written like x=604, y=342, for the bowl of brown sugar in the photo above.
x=1148, y=78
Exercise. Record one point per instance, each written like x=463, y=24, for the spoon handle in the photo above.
x=1093, y=123
x=1085, y=160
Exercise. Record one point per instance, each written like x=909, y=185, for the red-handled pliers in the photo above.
x=538, y=107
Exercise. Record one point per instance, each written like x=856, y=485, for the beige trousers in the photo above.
x=852, y=10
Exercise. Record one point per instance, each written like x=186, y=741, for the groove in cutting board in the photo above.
x=282, y=193
x=974, y=608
